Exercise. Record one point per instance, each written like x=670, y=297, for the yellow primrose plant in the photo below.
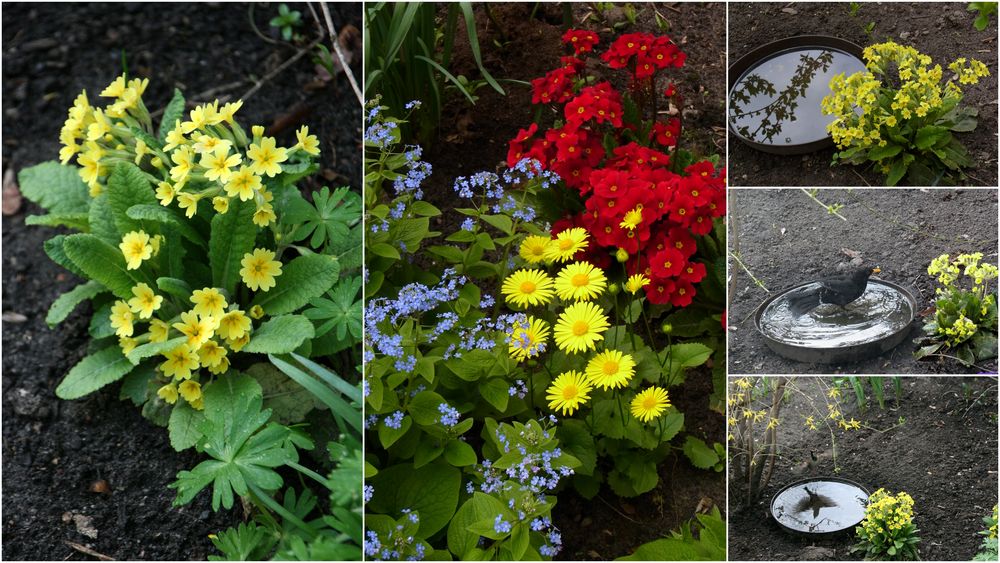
x=900, y=114
x=888, y=532
x=213, y=281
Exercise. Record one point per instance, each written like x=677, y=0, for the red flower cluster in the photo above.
x=634, y=201
x=652, y=53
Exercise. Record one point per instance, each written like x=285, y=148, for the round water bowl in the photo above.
x=826, y=505
x=875, y=323
x=775, y=92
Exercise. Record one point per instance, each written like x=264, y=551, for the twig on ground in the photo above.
x=749, y=273
x=88, y=551
x=858, y=174
x=291, y=60
x=832, y=208
x=335, y=40
x=253, y=26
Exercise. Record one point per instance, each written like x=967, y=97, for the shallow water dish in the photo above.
x=870, y=326
x=775, y=92
x=825, y=505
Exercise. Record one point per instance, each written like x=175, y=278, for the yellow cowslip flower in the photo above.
x=180, y=362
x=127, y=344
x=159, y=331
x=218, y=164
x=227, y=112
x=533, y=248
x=183, y=159
x=135, y=248
x=256, y=312
x=189, y=203
x=208, y=302
x=168, y=393
x=233, y=324
x=99, y=127
x=267, y=157
x=636, y=282
x=141, y=150
x=197, y=329
x=220, y=204
x=237, y=344
x=243, y=183
x=308, y=143
x=206, y=144
x=190, y=390
x=210, y=354
x=222, y=366
x=115, y=89
x=199, y=118
x=90, y=167
x=175, y=137
x=257, y=131
x=145, y=301
x=264, y=215
x=259, y=269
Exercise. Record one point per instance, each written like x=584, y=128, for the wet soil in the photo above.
x=474, y=138
x=944, y=455
x=941, y=30
x=784, y=238
x=55, y=451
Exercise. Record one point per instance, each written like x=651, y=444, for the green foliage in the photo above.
x=286, y=21
x=684, y=545
x=888, y=532
x=988, y=549
x=983, y=12
x=93, y=372
x=703, y=456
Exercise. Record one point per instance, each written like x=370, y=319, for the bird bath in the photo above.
x=824, y=505
x=776, y=90
x=871, y=325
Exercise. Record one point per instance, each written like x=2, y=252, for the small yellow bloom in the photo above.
x=190, y=390
x=197, y=329
x=650, y=404
x=127, y=344
x=145, y=301
x=218, y=164
x=308, y=143
x=635, y=283
x=632, y=219
x=165, y=192
x=168, y=393
x=189, y=203
x=243, y=183
x=257, y=312
x=211, y=354
x=121, y=319
x=158, y=331
x=233, y=324
x=136, y=248
x=267, y=157
x=208, y=302
x=264, y=215
x=220, y=204
x=180, y=362
x=259, y=269
x=222, y=366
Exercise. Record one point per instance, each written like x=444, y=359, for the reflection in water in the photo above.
x=777, y=102
x=820, y=506
x=878, y=313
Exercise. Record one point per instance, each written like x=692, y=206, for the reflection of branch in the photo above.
x=784, y=105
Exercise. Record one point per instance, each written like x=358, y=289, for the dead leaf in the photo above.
x=852, y=254
x=84, y=525
x=14, y=318
x=12, y=198
x=790, y=11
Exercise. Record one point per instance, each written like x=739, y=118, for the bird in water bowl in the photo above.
x=840, y=290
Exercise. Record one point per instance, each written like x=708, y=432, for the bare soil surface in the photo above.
x=784, y=238
x=55, y=452
x=941, y=30
x=944, y=454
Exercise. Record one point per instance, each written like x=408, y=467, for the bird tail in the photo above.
x=802, y=302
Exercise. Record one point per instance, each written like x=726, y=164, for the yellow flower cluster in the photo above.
x=209, y=156
x=867, y=110
x=962, y=330
x=887, y=514
x=993, y=528
x=578, y=328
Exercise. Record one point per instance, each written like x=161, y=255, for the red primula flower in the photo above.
x=667, y=263
x=683, y=294
x=666, y=133
x=583, y=41
x=693, y=272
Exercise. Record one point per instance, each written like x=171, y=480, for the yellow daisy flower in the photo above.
x=580, y=326
x=567, y=244
x=632, y=219
x=135, y=248
x=650, y=404
x=610, y=369
x=636, y=283
x=259, y=269
x=580, y=281
x=180, y=361
x=570, y=390
x=533, y=248
x=528, y=287
x=145, y=301
x=528, y=340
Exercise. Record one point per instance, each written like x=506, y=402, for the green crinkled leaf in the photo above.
x=173, y=112
x=233, y=236
x=78, y=221
x=128, y=186
x=287, y=400
x=151, y=349
x=888, y=151
x=280, y=335
x=699, y=453
x=56, y=187
x=102, y=222
x=432, y=491
x=478, y=508
x=65, y=303
x=160, y=214
x=101, y=262
x=577, y=440
x=930, y=135
x=243, y=450
x=176, y=287
x=302, y=279
x=682, y=545
x=496, y=392
x=54, y=249
x=183, y=426
x=135, y=385
x=93, y=372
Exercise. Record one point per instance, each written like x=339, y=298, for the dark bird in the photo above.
x=840, y=289
x=814, y=502
x=811, y=465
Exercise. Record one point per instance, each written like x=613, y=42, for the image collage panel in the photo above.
x=533, y=281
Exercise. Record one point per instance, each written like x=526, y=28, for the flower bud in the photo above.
x=667, y=328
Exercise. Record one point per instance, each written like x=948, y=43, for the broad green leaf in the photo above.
x=173, y=112
x=431, y=490
x=879, y=153
x=577, y=440
x=233, y=236
x=102, y=221
x=183, y=426
x=135, y=385
x=100, y=262
x=460, y=454
x=93, y=372
x=78, y=221
x=56, y=187
x=65, y=303
x=288, y=401
x=302, y=279
x=54, y=249
x=151, y=349
x=701, y=456
x=128, y=186
x=496, y=392
x=166, y=215
x=930, y=135
x=682, y=546
x=280, y=335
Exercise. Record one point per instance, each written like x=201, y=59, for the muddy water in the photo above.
x=879, y=312
x=820, y=507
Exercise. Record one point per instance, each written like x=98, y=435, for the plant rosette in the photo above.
x=888, y=531
x=900, y=114
x=964, y=325
x=988, y=549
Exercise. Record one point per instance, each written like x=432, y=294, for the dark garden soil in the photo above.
x=941, y=30
x=474, y=138
x=56, y=453
x=784, y=238
x=944, y=455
